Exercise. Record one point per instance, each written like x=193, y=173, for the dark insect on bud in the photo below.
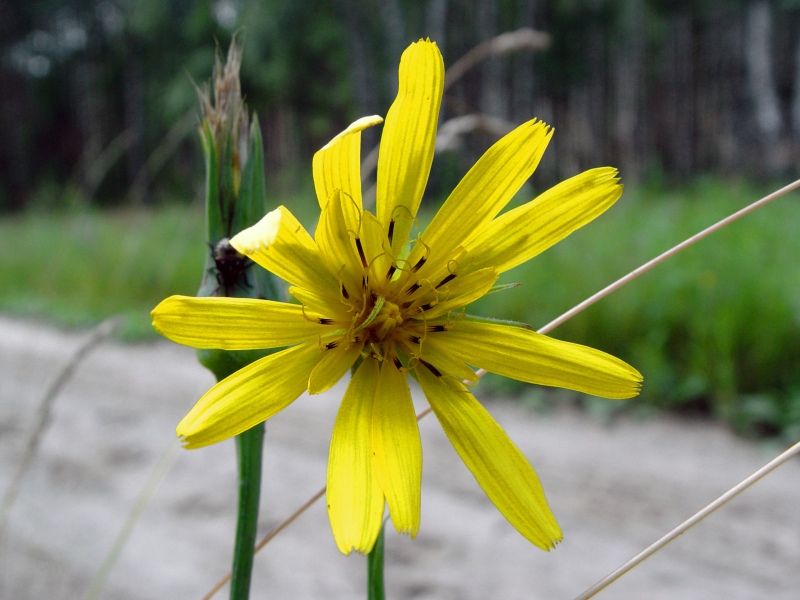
x=229, y=266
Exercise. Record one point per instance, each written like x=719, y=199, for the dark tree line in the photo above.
x=96, y=95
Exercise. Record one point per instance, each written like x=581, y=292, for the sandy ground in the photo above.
x=614, y=488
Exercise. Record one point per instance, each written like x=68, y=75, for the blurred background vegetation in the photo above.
x=696, y=101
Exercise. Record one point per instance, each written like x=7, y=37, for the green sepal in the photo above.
x=478, y=319
x=229, y=203
x=214, y=230
x=502, y=288
x=252, y=190
x=226, y=362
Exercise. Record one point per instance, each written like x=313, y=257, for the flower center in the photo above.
x=388, y=318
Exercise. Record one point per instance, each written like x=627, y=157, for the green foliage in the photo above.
x=715, y=330
x=78, y=268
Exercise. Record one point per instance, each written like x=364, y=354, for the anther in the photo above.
x=391, y=271
x=431, y=368
x=397, y=363
x=391, y=231
x=361, y=252
x=324, y=321
x=331, y=345
x=344, y=292
x=419, y=264
x=446, y=279
x=413, y=288
x=437, y=328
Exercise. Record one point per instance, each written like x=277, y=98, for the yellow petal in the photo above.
x=377, y=250
x=235, y=323
x=322, y=302
x=499, y=467
x=355, y=500
x=483, y=192
x=336, y=239
x=397, y=448
x=461, y=291
x=249, y=396
x=408, y=139
x=280, y=244
x=334, y=364
x=524, y=232
x=528, y=356
x=436, y=354
x=337, y=166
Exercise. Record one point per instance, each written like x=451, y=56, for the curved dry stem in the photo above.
x=96, y=336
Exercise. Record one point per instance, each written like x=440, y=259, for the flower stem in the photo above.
x=249, y=450
x=375, y=589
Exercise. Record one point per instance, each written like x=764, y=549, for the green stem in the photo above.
x=375, y=590
x=249, y=450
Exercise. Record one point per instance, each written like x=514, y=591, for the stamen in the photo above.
x=391, y=271
x=446, y=279
x=427, y=306
x=344, y=292
x=431, y=368
x=391, y=230
x=324, y=321
x=413, y=288
x=414, y=339
x=361, y=253
x=419, y=264
x=437, y=328
x=331, y=345
x=398, y=364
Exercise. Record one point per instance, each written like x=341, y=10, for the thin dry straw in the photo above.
x=565, y=317
x=690, y=522
x=162, y=467
x=95, y=337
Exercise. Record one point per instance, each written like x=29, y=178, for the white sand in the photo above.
x=614, y=488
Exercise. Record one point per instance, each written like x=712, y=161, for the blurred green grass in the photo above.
x=715, y=330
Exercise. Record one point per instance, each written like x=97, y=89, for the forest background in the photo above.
x=697, y=102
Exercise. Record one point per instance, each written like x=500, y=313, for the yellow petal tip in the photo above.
x=259, y=236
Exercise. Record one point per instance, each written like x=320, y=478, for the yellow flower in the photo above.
x=361, y=303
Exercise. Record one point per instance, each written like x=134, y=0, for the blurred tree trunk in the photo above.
x=761, y=83
x=796, y=95
x=363, y=71
x=628, y=88
x=492, y=90
x=522, y=85
x=134, y=124
x=87, y=93
x=394, y=32
x=673, y=102
x=436, y=23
